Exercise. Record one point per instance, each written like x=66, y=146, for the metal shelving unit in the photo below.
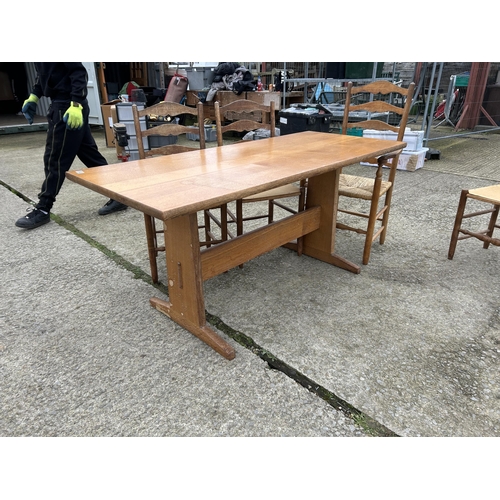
x=333, y=82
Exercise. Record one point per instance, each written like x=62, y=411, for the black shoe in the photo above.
x=34, y=219
x=111, y=206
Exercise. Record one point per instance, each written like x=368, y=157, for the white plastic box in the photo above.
x=124, y=110
x=408, y=160
x=412, y=160
x=413, y=138
x=129, y=125
x=132, y=141
x=124, y=115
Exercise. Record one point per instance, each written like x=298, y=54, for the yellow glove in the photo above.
x=29, y=108
x=74, y=116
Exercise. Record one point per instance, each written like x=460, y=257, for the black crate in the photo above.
x=301, y=120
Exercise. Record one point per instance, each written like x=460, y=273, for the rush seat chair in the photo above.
x=245, y=116
x=377, y=186
x=490, y=196
x=166, y=115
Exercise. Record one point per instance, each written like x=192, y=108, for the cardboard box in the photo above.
x=107, y=120
x=408, y=160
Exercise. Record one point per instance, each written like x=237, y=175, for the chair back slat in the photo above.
x=380, y=88
x=242, y=107
x=168, y=111
x=374, y=125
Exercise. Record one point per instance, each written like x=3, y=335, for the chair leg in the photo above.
x=151, y=239
x=458, y=223
x=239, y=217
x=368, y=243
x=206, y=218
x=385, y=217
x=370, y=230
x=301, y=208
x=372, y=218
x=223, y=221
x=492, y=225
x=270, y=212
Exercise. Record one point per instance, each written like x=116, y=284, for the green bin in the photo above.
x=359, y=70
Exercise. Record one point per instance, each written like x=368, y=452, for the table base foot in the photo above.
x=204, y=333
x=339, y=261
x=330, y=258
x=334, y=259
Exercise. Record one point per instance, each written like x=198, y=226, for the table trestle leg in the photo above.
x=320, y=244
x=186, y=305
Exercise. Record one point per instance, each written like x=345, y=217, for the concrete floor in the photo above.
x=409, y=347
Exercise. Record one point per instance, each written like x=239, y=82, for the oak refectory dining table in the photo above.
x=175, y=188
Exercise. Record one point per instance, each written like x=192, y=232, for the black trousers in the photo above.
x=62, y=147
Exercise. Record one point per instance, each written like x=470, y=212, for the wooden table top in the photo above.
x=168, y=186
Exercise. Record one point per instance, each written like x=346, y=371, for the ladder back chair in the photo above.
x=490, y=195
x=167, y=115
x=245, y=116
x=376, y=191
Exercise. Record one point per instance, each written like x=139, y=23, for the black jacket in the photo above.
x=61, y=81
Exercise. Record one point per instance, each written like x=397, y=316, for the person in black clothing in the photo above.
x=68, y=134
